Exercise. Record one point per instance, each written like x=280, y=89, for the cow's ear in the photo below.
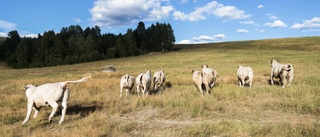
x=24, y=87
x=192, y=71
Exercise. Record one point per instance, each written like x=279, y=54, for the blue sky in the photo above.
x=193, y=21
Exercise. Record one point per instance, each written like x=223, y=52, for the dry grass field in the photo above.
x=95, y=107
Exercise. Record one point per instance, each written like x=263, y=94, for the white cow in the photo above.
x=282, y=71
x=126, y=82
x=197, y=78
x=158, y=79
x=209, y=77
x=48, y=95
x=245, y=76
x=143, y=83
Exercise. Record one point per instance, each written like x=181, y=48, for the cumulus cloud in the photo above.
x=276, y=24
x=313, y=23
x=7, y=26
x=203, y=39
x=212, y=8
x=260, y=6
x=108, y=13
x=242, y=31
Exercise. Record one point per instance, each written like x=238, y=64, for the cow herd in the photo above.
x=143, y=82
x=204, y=80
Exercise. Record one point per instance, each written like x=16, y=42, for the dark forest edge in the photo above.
x=74, y=45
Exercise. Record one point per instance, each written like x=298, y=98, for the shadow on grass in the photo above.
x=82, y=110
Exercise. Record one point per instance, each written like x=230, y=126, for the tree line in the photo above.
x=75, y=45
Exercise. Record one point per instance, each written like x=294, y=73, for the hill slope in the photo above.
x=95, y=108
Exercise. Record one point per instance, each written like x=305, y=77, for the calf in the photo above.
x=48, y=95
x=158, y=79
x=245, y=76
x=143, y=83
x=282, y=71
x=209, y=77
x=126, y=82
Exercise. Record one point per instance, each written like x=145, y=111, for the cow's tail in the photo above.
x=83, y=79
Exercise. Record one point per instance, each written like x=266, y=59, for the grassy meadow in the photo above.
x=95, y=107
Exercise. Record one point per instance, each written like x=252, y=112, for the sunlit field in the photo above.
x=96, y=109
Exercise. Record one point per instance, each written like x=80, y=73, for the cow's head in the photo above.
x=273, y=62
x=29, y=86
x=204, y=66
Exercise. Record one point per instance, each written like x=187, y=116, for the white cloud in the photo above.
x=271, y=16
x=230, y=13
x=242, y=31
x=77, y=20
x=160, y=12
x=212, y=8
x=259, y=30
x=314, y=23
x=260, y=6
x=3, y=34
x=7, y=26
x=247, y=22
x=110, y=13
x=203, y=39
x=30, y=35
x=276, y=24
x=178, y=15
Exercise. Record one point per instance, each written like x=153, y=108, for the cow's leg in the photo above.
x=200, y=89
x=29, y=107
x=271, y=78
x=239, y=81
x=54, y=106
x=36, y=110
x=127, y=92
x=207, y=88
x=289, y=80
x=138, y=90
x=250, y=83
x=64, y=104
x=283, y=82
x=120, y=91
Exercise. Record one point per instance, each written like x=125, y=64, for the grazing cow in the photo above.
x=48, y=95
x=282, y=71
x=197, y=78
x=209, y=77
x=245, y=76
x=158, y=79
x=143, y=83
x=126, y=82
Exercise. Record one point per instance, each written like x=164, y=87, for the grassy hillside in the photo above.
x=95, y=109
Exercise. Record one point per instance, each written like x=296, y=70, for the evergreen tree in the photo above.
x=140, y=34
